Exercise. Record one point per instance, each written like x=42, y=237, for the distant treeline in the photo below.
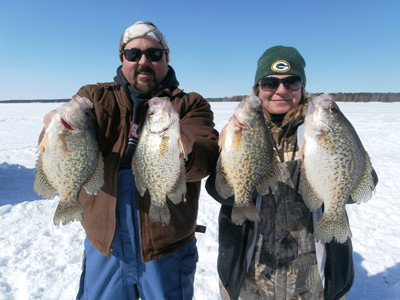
x=35, y=101
x=340, y=97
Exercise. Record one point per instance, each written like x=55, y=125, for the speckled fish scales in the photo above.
x=69, y=159
x=335, y=167
x=158, y=161
x=247, y=161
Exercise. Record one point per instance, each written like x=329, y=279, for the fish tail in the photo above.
x=41, y=184
x=67, y=212
x=96, y=180
x=240, y=214
x=140, y=185
x=159, y=214
x=328, y=230
x=268, y=183
x=365, y=188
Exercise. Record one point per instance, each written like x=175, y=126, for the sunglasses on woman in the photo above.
x=270, y=84
x=152, y=54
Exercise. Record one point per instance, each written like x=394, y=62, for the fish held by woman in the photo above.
x=335, y=167
x=247, y=160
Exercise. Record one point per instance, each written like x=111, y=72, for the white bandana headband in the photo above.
x=142, y=29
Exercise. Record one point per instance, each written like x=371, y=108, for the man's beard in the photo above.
x=146, y=87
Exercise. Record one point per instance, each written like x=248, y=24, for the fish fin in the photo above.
x=159, y=214
x=222, y=186
x=326, y=140
x=237, y=139
x=43, y=144
x=62, y=144
x=178, y=191
x=96, y=181
x=328, y=230
x=176, y=197
x=164, y=146
x=181, y=148
x=302, y=148
x=240, y=214
x=140, y=186
x=277, y=175
x=263, y=187
x=365, y=188
x=67, y=212
x=221, y=139
x=41, y=185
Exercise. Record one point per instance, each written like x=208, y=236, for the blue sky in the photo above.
x=50, y=48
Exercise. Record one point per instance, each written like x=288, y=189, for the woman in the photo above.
x=277, y=258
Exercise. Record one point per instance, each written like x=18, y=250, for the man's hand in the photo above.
x=47, y=118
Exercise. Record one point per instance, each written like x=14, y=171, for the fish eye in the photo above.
x=333, y=109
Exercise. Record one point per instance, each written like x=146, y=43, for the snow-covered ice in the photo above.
x=41, y=261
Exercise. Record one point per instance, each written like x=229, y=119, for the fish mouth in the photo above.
x=320, y=103
x=323, y=100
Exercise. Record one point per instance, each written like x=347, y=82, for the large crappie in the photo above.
x=158, y=161
x=335, y=166
x=247, y=161
x=69, y=159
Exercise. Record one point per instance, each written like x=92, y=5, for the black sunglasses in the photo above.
x=270, y=84
x=152, y=54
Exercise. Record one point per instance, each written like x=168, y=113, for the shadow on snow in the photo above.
x=384, y=285
x=16, y=183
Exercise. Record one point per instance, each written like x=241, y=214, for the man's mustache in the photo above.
x=142, y=69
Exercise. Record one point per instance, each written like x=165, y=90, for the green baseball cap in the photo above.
x=281, y=60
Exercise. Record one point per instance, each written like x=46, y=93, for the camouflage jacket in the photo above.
x=112, y=115
x=282, y=241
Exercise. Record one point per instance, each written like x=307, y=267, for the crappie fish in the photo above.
x=158, y=161
x=69, y=159
x=247, y=161
x=335, y=166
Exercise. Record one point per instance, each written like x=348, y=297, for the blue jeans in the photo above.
x=124, y=275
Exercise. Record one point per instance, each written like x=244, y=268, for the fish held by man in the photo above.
x=247, y=160
x=69, y=159
x=158, y=162
x=335, y=167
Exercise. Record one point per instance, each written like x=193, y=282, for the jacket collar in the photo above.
x=284, y=134
x=137, y=98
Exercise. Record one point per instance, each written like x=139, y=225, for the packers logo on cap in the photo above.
x=280, y=66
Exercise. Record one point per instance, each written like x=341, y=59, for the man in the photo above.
x=126, y=255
